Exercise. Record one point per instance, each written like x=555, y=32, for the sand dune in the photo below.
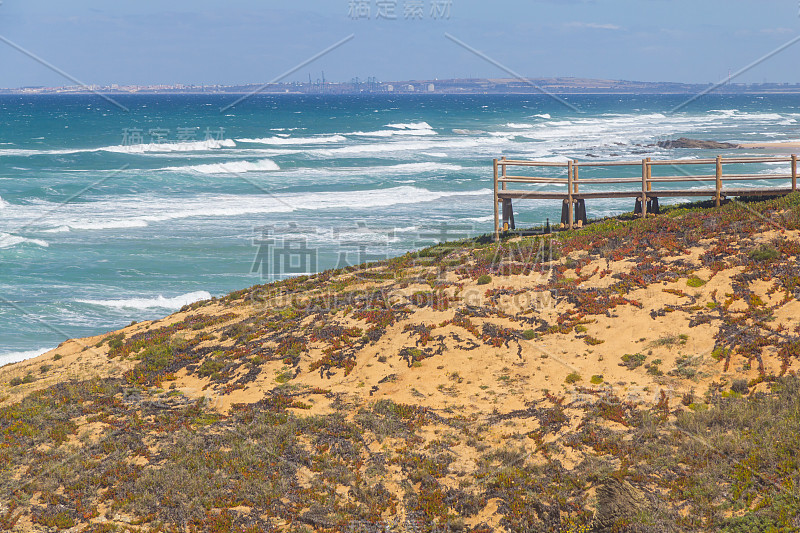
x=471, y=386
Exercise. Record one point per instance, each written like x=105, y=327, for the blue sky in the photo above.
x=251, y=41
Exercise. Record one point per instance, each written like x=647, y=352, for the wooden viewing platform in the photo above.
x=574, y=194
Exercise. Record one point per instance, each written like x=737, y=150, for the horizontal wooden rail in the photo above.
x=574, y=181
x=509, y=162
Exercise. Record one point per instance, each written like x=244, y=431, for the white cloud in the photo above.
x=778, y=31
x=593, y=26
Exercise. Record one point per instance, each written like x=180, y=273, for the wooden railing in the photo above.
x=577, y=183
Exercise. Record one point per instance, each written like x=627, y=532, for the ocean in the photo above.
x=109, y=216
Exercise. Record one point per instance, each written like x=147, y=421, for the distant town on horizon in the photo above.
x=563, y=85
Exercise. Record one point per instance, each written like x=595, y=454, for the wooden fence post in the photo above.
x=718, y=198
x=794, y=172
x=571, y=206
x=575, y=175
x=504, y=172
x=644, y=187
x=649, y=175
x=496, y=200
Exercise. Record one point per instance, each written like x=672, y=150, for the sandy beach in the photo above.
x=777, y=146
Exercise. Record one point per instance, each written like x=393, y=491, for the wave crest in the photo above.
x=230, y=167
x=7, y=240
x=194, y=146
x=279, y=140
x=151, y=303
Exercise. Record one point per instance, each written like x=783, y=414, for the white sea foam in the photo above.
x=60, y=229
x=413, y=167
x=415, y=129
x=193, y=146
x=393, y=147
x=15, y=357
x=285, y=140
x=142, y=210
x=376, y=170
x=394, y=133
x=8, y=240
x=155, y=148
x=410, y=126
x=488, y=218
x=543, y=115
x=230, y=167
x=94, y=224
x=518, y=126
x=149, y=303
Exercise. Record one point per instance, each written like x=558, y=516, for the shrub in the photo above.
x=156, y=358
x=572, y=377
x=633, y=360
x=529, y=334
x=210, y=367
x=694, y=281
x=57, y=356
x=19, y=381
x=115, y=344
x=740, y=386
x=653, y=368
x=484, y=280
x=763, y=252
x=670, y=340
x=720, y=352
x=597, y=379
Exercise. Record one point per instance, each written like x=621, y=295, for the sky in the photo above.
x=147, y=42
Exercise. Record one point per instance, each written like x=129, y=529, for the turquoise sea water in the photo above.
x=109, y=216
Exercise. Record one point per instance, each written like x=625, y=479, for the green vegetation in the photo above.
x=763, y=253
x=632, y=361
x=669, y=340
x=284, y=377
x=740, y=386
x=484, y=279
x=14, y=382
x=210, y=466
x=572, y=377
x=597, y=379
x=210, y=367
x=654, y=367
x=695, y=282
x=592, y=341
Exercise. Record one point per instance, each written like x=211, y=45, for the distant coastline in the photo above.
x=433, y=86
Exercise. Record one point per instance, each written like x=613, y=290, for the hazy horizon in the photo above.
x=248, y=42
